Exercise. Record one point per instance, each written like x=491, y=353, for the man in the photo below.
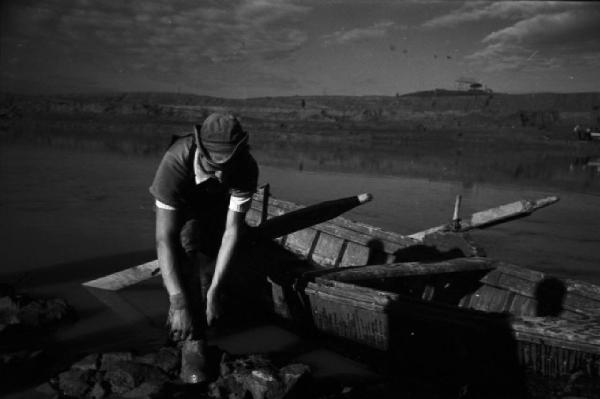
x=203, y=188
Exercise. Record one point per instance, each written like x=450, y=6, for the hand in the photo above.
x=213, y=306
x=180, y=324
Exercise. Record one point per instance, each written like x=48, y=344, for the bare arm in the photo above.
x=231, y=237
x=168, y=248
x=170, y=260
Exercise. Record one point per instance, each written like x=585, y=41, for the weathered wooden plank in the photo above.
x=308, y=216
x=264, y=212
x=491, y=216
x=516, y=284
x=583, y=335
x=280, y=306
x=490, y=299
x=390, y=243
x=353, y=292
x=523, y=306
x=355, y=255
x=579, y=297
x=493, y=277
x=122, y=307
x=388, y=247
x=125, y=278
x=465, y=301
x=301, y=242
x=581, y=287
x=581, y=304
x=410, y=269
x=328, y=250
x=357, y=298
x=277, y=207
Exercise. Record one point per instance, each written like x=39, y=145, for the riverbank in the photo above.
x=548, y=157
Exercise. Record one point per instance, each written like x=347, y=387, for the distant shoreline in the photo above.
x=504, y=155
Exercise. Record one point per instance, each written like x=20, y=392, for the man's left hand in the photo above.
x=213, y=306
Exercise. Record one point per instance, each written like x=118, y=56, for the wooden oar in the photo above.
x=272, y=228
x=490, y=216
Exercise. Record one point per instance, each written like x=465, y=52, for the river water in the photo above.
x=70, y=214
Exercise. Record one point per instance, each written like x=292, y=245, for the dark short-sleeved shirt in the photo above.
x=180, y=181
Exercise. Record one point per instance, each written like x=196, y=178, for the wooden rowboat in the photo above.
x=377, y=288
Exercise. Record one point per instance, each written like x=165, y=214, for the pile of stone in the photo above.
x=122, y=374
x=19, y=310
x=25, y=324
x=257, y=377
x=156, y=375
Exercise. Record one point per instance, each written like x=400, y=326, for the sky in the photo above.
x=253, y=48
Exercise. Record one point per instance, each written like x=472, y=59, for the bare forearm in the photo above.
x=170, y=261
x=227, y=250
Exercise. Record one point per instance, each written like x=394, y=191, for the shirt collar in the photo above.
x=200, y=174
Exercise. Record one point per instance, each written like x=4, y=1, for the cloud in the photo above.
x=546, y=29
x=537, y=36
x=476, y=11
x=261, y=12
x=377, y=30
x=228, y=31
x=169, y=42
x=545, y=41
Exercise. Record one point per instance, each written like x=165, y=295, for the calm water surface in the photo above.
x=70, y=215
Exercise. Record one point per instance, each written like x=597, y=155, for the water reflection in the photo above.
x=588, y=164
x=551, y=166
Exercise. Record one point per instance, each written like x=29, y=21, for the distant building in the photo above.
x=475, y=87
x=471, y=85
x=464, y=83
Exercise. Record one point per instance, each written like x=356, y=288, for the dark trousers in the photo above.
x=201, y=239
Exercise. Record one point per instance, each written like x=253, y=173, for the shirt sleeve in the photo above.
x=240, y=204
x=162, y=205
x=172, y=179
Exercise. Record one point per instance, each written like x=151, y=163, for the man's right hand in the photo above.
x=180, y=324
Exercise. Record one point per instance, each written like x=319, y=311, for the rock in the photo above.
x=20, y=309
x=168, y=360
x=74, y=382
x=110, y=358
x=32, y=313
x=224, y=366
x=146, y=390
x=124, y=376
x=90, y=362
x=227, y=388
x=47, y=389
x=55, y=309
x=148, y=358
x=8, y=312
x=258, y=377
x=99, y=390
x=261, y=383
x=292, y=375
